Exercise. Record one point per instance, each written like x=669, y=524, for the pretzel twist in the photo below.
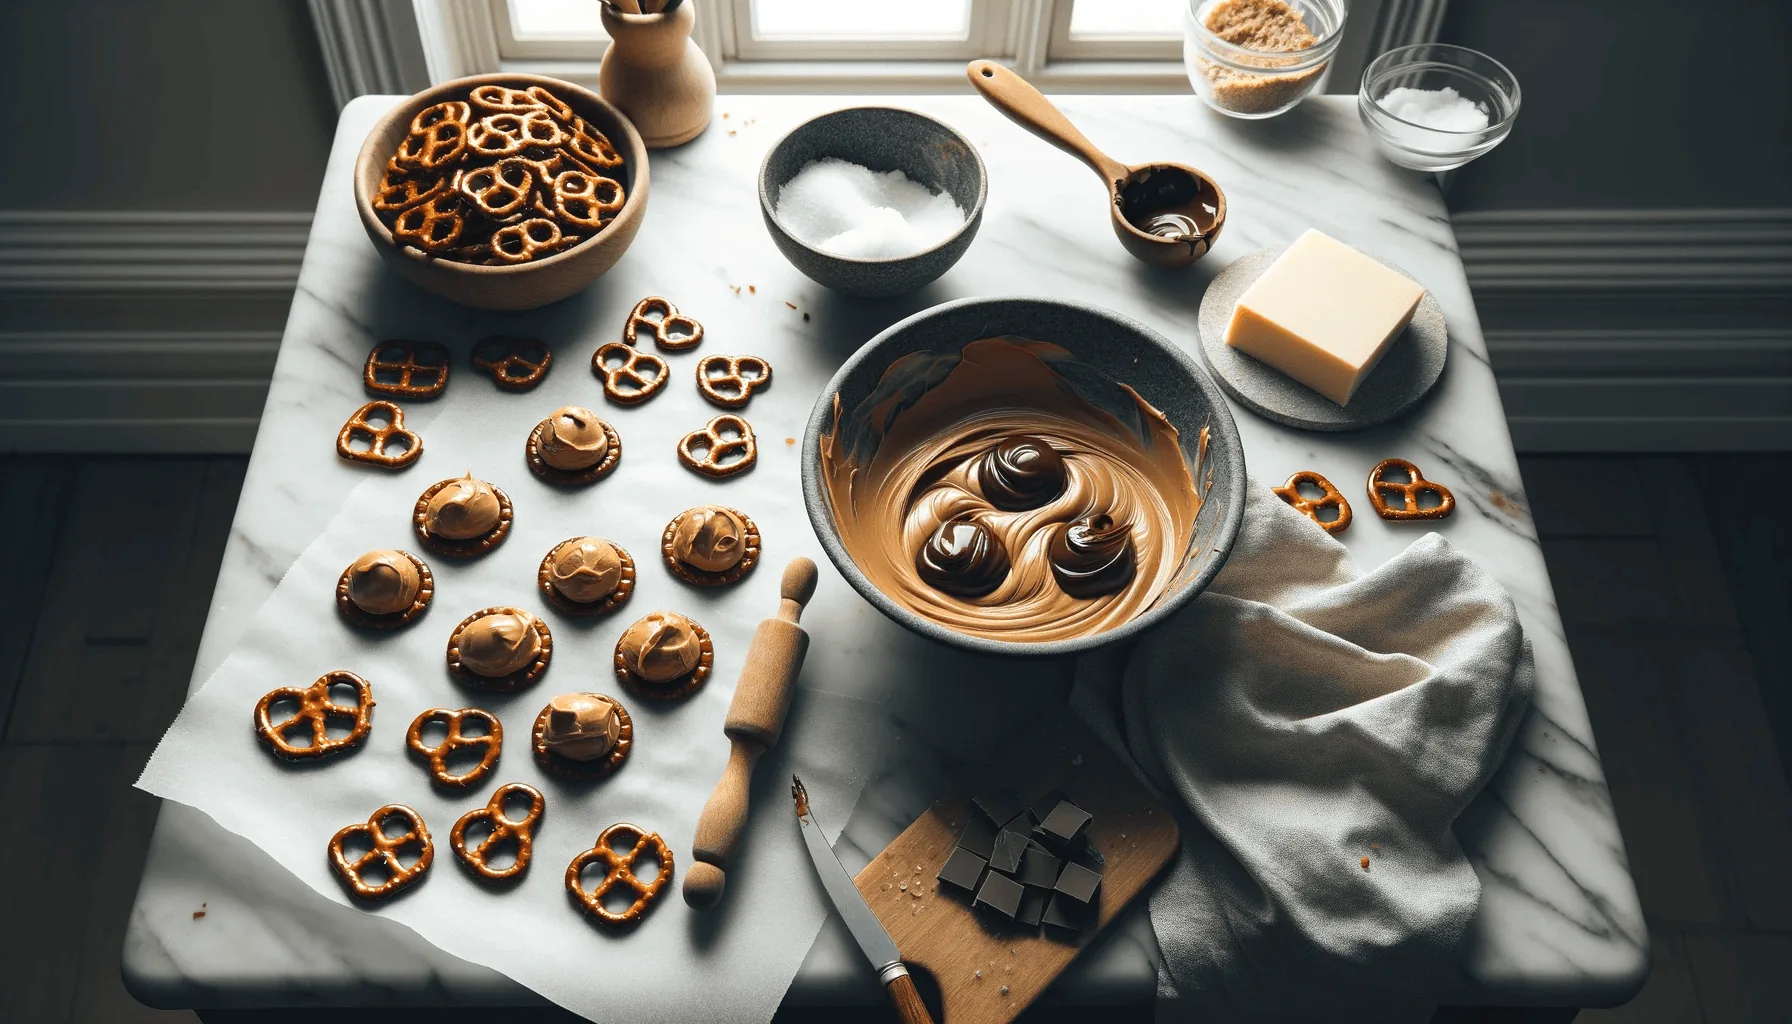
x=553, y=104
x=478, y=858
x=502, y=189
x=385, y=850
x=502, y=99
x=642, y=318
x=433, y=225
x=378, y=437
x=640, y=387
x=585, y=200
x=716, y=449
x=591, y=145
x=619, y=871
x=489, y=745
x=508, y=134
x=317, y=709
x=528, y=239
x=1408, y=492
x=401, y=190
x=436, y=146
x=504, y=356
x=724, y=380
x=421, y=368
x=1330, y=497
x=449, y=110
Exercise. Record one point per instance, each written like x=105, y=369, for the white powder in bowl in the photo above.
x=1441, y=109
x=848, y=210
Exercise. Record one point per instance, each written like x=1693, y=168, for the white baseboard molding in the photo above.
x=1608, y=330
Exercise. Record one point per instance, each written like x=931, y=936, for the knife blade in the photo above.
x=866, y=929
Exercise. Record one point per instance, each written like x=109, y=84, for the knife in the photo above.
x=866, y=929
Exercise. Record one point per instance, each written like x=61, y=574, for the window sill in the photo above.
x=870, y=76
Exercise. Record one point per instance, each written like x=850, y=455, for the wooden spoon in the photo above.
x=1168, y=215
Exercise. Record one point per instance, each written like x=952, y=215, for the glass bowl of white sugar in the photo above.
x=1434, y=107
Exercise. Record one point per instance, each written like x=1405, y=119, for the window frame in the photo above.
x=1062, y=46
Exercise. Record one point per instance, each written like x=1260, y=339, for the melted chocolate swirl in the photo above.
x=1021, y=473
x=963, y=558
x=1092, y=556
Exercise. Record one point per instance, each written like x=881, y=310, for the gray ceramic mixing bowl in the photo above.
x=883, y=139
x=1123, y=349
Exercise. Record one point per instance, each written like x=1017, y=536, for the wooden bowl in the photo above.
x=526, y=285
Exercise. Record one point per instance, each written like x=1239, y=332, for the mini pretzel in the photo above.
x=491, y=744
x=515, y=364
x=477, y=859
x=525, y=676
x=722, y=379
x=450, y=110
x=749, y=557
x=640, y=387
x=433, y=225
x=619, y=871
x=715, y=448
x=439, y=145
x=584, y=200
x=501, y=99
x=678, y=687
x=583, y=771
x=353, y=614
x=421, y=366
x=591, y=145
x=316, y=708
x=378, y=437
x=546, y=100
x=471, y=546
x=1309, y=507
x=384, y=849
x=1408, y=492
x=501, y=189
x=403, y=191
x=527, y=239
x=669, y=317
x=507, y=134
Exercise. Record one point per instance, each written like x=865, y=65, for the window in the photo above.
x=860, y=45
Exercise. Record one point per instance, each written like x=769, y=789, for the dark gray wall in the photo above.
x=1635, y=103
x=189, y=105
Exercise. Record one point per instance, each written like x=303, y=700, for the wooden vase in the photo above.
x=657, y=76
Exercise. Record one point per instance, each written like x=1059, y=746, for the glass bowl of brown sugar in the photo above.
x=1258, y=58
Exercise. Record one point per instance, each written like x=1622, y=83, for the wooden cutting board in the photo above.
x=938, y=931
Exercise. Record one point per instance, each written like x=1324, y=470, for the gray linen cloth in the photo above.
x=1304, y=715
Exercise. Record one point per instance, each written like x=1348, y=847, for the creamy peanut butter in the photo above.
x=383, y=582
x=573, y=438
x=661, y=647
x=585, y=569
x=582, y=726
x=711, y=538
x=939, y=475
x=464, y=509
x=497, y=645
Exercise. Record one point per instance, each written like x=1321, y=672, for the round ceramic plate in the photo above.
x=1407, y=372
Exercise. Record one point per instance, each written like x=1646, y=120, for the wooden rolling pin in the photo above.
x=755, y=720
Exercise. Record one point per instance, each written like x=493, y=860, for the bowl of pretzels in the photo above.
x=504, y=191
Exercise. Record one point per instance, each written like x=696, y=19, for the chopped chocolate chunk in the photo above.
x=979, y=837
x=1087, y=855
x=1065, y=913
x=1000, y=894
x=1032, y=907
x=1039, y=868
x=1009, y=847
x=1044, y=803
x=1064, y=825
x=1078, y=883
x=1000, y=806
x=963, y=869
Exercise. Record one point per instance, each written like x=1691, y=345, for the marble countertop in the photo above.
x=1559, y=922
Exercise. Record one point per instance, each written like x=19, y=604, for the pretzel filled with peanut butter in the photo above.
x=478, y=859
x=619, y=872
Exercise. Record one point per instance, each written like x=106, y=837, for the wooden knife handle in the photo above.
x=907, y=1001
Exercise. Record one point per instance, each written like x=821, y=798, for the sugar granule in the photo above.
x=853, y=211
x=1442, y=109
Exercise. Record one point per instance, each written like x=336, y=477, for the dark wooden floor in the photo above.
x=1674, y=577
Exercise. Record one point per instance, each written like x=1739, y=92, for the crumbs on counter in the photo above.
x=805, y=318
x=197, y=914
x=789, y=303
x=1365, y=863
x=791, y=440
x=752, y=289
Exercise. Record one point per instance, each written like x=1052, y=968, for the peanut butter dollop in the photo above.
x=573, y=438
x=383, y=582
x=464, y=509
x=585, y=569
x=498, y=644
x=661, y=647
x=951, y=480
x=582, y=726
x=711, y=538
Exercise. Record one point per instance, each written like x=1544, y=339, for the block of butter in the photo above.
x=1323, y=314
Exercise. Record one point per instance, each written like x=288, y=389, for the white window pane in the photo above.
x=1130, y=19
x=556, y=19
x=860, y=19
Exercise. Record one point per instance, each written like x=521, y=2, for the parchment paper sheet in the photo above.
x=729, y=964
